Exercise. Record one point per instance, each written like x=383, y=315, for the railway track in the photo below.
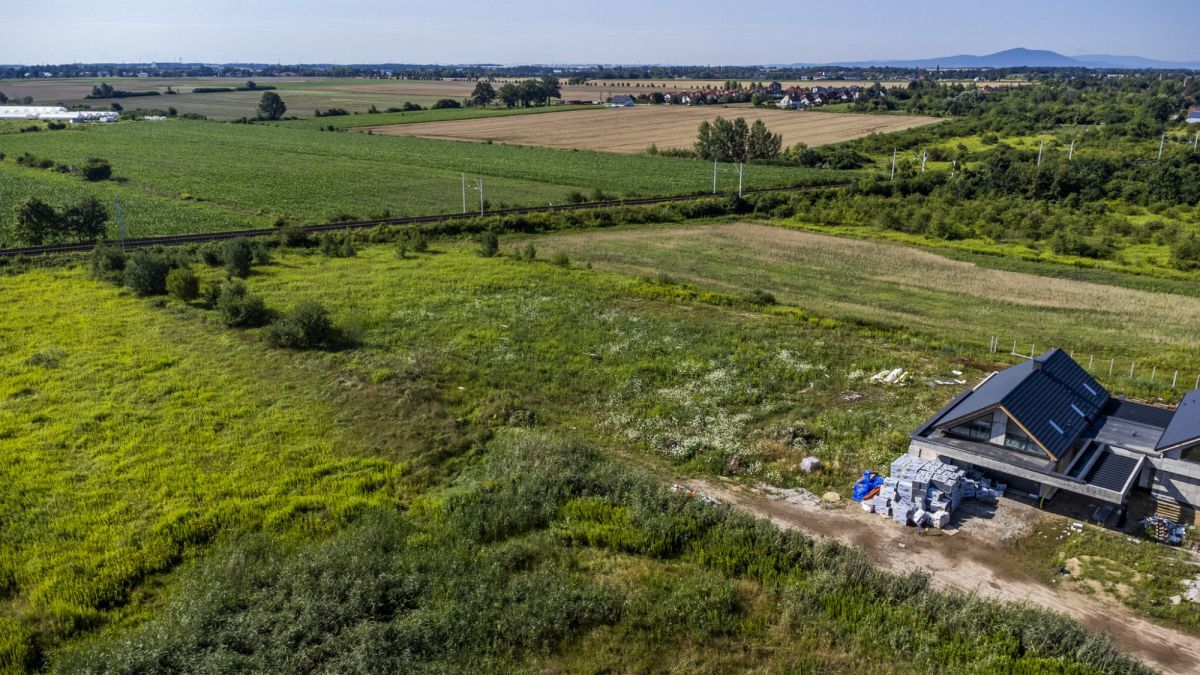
x=204, y=237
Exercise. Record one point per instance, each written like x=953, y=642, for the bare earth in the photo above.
x=632, y=130
x=965, y=562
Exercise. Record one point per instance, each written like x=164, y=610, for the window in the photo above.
x=979, y=428
x=1016, y=438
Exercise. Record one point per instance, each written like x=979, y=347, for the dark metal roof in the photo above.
x=1185, y=423
x=1112, y=472
x=1142, y=413
x=1050, y=395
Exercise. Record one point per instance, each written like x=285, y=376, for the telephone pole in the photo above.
x=1161, y=142
x=741, y=167
x=714, y=176
x=893, y=164
x=464, y=193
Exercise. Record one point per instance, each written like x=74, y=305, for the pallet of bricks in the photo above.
x=926, y=491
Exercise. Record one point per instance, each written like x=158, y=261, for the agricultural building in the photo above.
x=1047, y=425
x=55, y=113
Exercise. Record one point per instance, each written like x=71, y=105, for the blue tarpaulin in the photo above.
x=870, y=481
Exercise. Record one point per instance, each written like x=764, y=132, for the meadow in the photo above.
x=664, y=127
x=188, y=176
x=950, y=302
x=183, y=467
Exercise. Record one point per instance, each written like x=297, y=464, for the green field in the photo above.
x=184, y=176
x=143, y=435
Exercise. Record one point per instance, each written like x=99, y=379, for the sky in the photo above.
x=689, y=32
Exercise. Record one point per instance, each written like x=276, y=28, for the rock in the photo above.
x=831, y=498
x=733, y=464
x=810, y=464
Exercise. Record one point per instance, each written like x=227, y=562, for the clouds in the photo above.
x=614, y=31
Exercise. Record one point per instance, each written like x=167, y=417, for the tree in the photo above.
x=305, y=327
x=96, y=169
x=37, y=222
x=489, y=244
x=706, y=144
x=102, y=90
x=87, y=220
x=270, y=106
x=483, y=95
x=509, y=94
x=444, y=103
x=251, y=85
x=761, y=143
x=1185, y=252
x=238, y=308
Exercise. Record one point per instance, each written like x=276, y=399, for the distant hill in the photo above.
x=1038, y=58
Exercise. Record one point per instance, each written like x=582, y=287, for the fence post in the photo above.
x=1090, y=359
x=1110, y=366
x=1153, y=372
x=1175, y=379
x=1131, y=367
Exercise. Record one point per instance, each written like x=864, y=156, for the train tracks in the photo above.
x=204, y=237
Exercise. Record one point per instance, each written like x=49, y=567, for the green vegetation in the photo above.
x=1136, y=572
x=187, y=176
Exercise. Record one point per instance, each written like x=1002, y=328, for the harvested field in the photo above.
x=632, y=130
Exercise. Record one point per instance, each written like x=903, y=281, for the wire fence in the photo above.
x=1115, y=370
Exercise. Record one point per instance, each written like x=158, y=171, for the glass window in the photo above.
x=1015, y=437
x=979, y=428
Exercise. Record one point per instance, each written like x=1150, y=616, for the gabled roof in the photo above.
x=1052, y=398
x=1184, y=428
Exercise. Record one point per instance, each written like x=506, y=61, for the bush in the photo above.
x=96, y=169
x=294, y=236
x=210, y=254
x=446, y=103
x=560, y=259
x=238, y=256
x=336, y=246
x=183, y=284
x=489, y=244
x=307, y=326
x=528, y=253
x=1185, y=253
x=108, y=263
x=238, y=308
x=146, y=273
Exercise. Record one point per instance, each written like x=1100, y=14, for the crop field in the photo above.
x=185, y=176
x=919, y=292
x=632, y=130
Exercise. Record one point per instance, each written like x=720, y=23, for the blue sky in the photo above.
x=609, y=31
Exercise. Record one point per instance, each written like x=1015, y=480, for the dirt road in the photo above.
x=968, y=564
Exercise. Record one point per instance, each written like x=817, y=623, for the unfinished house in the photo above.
x=1046, y=425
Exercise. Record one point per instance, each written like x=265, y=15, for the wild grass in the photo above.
x=950, y=302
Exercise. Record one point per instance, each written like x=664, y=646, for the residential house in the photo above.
x=1193, y=116
x=1046, y=425
x=622, y=101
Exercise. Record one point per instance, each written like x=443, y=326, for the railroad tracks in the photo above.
x=204, y=237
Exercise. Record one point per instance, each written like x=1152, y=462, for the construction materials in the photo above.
x=925, y=491
x=869, y=483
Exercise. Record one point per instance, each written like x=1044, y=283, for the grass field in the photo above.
x=949, y=301
x=183, y=176
x=633, y=130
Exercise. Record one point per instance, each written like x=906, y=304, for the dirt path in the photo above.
x=958, y=561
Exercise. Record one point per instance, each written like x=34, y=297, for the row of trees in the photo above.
x=736, y=141
x=523, y=94
x=40, y=223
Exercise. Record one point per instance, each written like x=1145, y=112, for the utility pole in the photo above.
x=480, y=196
x=1041, y=144
x=464, y=193
x=120, y=223
x=741, y=168
x=1195, y=140
x=1162, y=141
x=924, y=156
x=714, y=176
x=1071, y=152
x=893, y=164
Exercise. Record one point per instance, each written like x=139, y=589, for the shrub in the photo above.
x=307, y=326
x=262, y=253
x=560, y=259
x=336, y=246
x=238, y=308
x=238, y=256
x=294, y=236
x=489, y=244
x=146, y=273
x=210, y=254
x=1185, y=252
x=183, y=284
x=761, y=297
x=96, y=169
x=108, y=263
x=529, y=253
x=446, y=103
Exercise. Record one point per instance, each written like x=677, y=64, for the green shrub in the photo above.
x=561, y=259
x=1185, y=252
x=262, y=252
x=210, y=254
x=489, y=244
x=337, y=246
x=307, y=326
x=238, y=308
x=108, y=263
x=183, y=284
x=146, y=273
x=528, y=253
x=294, y=236
x=238, y=256
x=96, y=169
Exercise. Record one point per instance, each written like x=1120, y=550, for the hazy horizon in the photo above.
x=538, y=31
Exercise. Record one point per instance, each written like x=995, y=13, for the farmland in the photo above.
x=305, y=95
x=185, y=176
x=493, y=363
x=633, y=130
